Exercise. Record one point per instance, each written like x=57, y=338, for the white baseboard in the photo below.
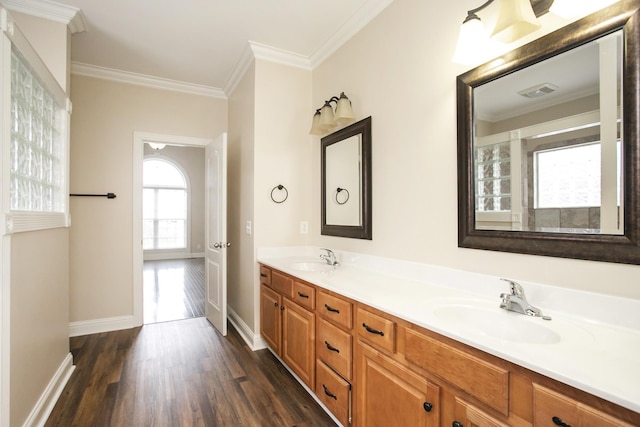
x=97, y=326
x=253, y=340
x=154, y=256
x=41, y=411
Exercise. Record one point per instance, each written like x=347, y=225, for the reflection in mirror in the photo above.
x=548, y=144
x=343, y=176
x=346, y=181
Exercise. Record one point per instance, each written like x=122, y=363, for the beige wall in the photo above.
x=268, y=146
x=398, y=69
x=105, y=116
x=39, y=303
x=39, y=315
x=240, y=194
x=191, y=160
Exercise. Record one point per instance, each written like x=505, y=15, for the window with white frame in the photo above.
x=164, y=205
x=37, y=142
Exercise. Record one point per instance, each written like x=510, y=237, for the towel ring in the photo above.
x=346, y=198
x=280, y=187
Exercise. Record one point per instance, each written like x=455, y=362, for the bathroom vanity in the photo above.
x=384, y=342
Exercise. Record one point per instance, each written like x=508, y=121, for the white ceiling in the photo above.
x=202, y=41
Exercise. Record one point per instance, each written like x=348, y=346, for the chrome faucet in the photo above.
x=329, y=257
x=516, y=301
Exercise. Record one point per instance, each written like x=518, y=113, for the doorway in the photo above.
x=169, y=280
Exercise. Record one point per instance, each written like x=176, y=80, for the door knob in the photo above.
x=219, y=245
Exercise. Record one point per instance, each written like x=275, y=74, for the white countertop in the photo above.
x=591, y=343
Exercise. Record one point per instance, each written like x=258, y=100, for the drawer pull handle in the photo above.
x=328, y=393
x=457, y=424
x=330, y=347
x=372, y=331
x=331, y=309
x=301, y=295
x=558, y=421
x=427, y=406
x=263, y=275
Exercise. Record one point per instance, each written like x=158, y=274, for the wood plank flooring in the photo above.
x=181, y=373
x=173, y=289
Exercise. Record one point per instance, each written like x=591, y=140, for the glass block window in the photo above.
x=164, y=206
x=568, y=177
x=36, y=154
x=493, y=178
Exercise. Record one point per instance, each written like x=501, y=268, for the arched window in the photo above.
x=164, y=205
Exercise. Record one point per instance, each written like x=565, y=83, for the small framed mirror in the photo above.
x=346, y=182
x=548, y=144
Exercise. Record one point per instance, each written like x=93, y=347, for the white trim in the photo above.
x=68, y=15
x=361, y=18
x=279, y=56
x=253, y=340
x=160, y=255
x=47, y=401
x=239, y=70
x=111, y=74
x=97, y=326
x=139, y=139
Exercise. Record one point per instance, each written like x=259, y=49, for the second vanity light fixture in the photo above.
x=327, y=119
x=515, y=19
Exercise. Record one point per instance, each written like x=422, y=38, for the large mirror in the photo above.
x=346, y=182
x=548, y=149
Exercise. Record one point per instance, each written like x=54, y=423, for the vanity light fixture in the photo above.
x=327, y=119
x=516, y=19
x=156, y=145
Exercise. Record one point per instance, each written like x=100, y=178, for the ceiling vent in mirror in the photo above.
x=538, y=90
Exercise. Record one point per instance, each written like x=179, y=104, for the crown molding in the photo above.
x=87, y=70
x=72, y=17
x=354, y=24
x=255, y=50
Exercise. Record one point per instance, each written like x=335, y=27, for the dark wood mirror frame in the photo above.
x=623, y=248
x=363, y=231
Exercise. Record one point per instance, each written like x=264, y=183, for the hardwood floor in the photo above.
x=181, y=373
x=173, y=289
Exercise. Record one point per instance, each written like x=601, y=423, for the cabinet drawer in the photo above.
x=376, y=330
x=552, y=408
x=282, y=283
x=334, y=348
x=486, y=382
x=265, y=275
x=334, y=392
x=304, y=294
x=336, y=310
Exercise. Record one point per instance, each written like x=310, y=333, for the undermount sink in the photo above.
x=497, y=323
x=315, y=266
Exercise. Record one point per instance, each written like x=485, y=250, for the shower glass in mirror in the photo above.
x=548, y=144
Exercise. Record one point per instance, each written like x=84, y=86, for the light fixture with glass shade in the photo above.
x=156, y=145
x=516, y=19
x=327, y=119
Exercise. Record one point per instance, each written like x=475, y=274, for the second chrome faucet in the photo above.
x=516, y=301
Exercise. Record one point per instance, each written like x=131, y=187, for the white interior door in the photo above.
x=216, y=232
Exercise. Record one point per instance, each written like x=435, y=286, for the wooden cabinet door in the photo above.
x=270, y=318
x=389, y=394
x=299, y=341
